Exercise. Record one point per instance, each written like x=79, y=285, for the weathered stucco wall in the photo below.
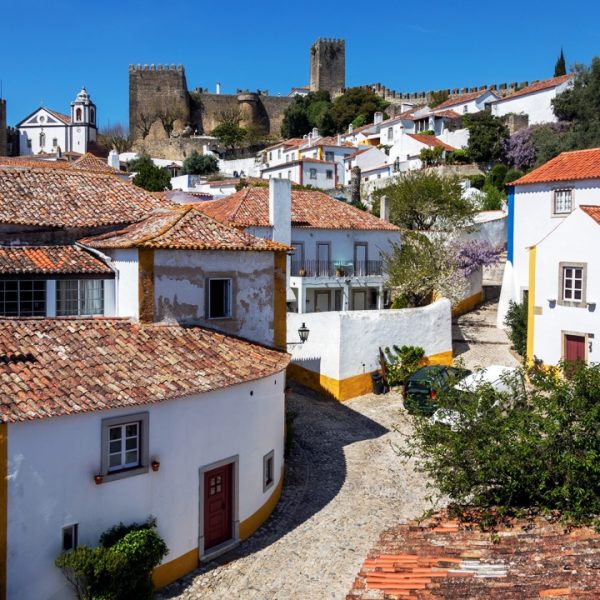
x=180, y=290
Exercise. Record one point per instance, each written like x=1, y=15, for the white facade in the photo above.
x=472, y=105
x=536, y=105
x=573, y=243
x=51, y=486
x=46, y=131
x=320, y=174
x=367, y=157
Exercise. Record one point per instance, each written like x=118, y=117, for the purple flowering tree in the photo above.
x=473, y=255
x=520, y=149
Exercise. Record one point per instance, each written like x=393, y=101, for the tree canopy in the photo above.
x=229, y=134
x=354, y=105
x=532, y=446
x=148, y=175
x=115, y=137
x=422, y=200
x=200, y=164
x=487, y=136
x=560, y=68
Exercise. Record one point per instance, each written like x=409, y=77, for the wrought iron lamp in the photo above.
x=303, y=332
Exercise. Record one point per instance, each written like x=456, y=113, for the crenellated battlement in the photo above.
x=173, y=67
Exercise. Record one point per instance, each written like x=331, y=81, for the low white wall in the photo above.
x=248, y=165
x=344, y=344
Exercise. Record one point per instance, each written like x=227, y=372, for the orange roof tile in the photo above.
x=89, y=162
x=567, y=166
x=430, y=140
x=455, y=100
x=183, y=228
x=250, y=207
x=33, y=162
x=538, y=86
x=70, y=198
x=66, y=119
x=55, y=367
x=49, y=260
x=592, y=211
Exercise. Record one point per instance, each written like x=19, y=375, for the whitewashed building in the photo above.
x=321, y=174
x=534, y=100
x=470, y=102
x=405, y=153
x=139, y=374
x=537, y=204
x=565, y=265
x=48, y=131
x=366, y=158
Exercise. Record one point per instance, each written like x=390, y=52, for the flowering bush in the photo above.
x=472, y=256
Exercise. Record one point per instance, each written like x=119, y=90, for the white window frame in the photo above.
x=229, y=312
x=567, y=279
x=142, y=421
x=563, y=212
x=80, y=298
x=268, y=474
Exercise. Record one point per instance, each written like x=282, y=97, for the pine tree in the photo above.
x=560, y=68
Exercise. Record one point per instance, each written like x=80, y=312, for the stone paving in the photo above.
x=478, y=342
x=344, y=485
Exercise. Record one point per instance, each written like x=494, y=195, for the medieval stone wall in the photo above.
x=328, y=66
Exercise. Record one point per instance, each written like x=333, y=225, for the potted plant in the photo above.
x=339, y=271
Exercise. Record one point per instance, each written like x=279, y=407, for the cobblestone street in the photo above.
x=344, y=485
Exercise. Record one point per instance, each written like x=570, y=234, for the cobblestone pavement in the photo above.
x=344, y=485
x=478, y=342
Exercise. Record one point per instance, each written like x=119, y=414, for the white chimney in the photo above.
x=280, y=210
x=113, y=159
x=377, y=118
x=350, y=128
x=218, y=88
x=339, y=139
x=384, y=208
x=315, y=133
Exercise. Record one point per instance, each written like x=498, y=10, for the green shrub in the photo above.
x=512, y=175
x=401, y=362
x=120, y=568
x=477, y=181
x=516, y=321
x=427, y=132
x=493, y=198
x=458, y=157
x=497, y=175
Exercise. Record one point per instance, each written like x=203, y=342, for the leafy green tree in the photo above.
x=437, y=97
x=492, y=197
x=422, y=200
x=531, y=447
x=432, y=156
x=306, y=112
x=229, y=134
x=560, y=68
x=487, y=135
x=200, y=164
x=354, y=103
x=295, y=122
x=148, y=175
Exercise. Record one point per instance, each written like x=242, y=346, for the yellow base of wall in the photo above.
x=182, y=565
x=351, y=387
x=468, y=304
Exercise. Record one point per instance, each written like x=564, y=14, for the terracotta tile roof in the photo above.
x=54, y=367
x=70, y=198
x=592, y=211
x=430, y=140
x=450, y=114
x=48, y=260
x=538, y=86
x=327, y=141
x=89, y=162
x=358, y=153
x=292, y=142
x=33, y=163
x=567, y=166
x=182, y=228
x=442, y=559
x=250, y=207
x=455, y=100
x=66, y=119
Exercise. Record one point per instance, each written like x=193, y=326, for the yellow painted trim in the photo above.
x=279, y=301
x=174, y=569
x=146, y=285
x=468, y=304
x=3, y=507
x=531, y=306
x=253, y=522
x=350, y=387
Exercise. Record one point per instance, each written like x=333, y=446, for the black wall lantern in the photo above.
x=303, y=332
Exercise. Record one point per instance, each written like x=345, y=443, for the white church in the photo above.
x=46, y=131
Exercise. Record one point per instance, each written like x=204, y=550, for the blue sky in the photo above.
x=52, y=48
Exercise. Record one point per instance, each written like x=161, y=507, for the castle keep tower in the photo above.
x=328, y=66
x=156, y=91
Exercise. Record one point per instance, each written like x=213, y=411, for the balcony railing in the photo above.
x=324, y=268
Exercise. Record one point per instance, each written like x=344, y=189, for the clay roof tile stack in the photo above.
x=55, y=367
x=250, y=207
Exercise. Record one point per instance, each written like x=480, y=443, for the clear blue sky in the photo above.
x=52, y=48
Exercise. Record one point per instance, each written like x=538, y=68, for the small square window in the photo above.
x=329, y=174
x=313, y=173
x=219, y=298
x=69, y=537
x=329, y=156
x=124, y=446
x=563, y=202
x=573, y=284
x=268, y=470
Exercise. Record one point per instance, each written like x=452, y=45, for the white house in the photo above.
x=46, y=131
x=405, y=152
x=365, y=157
x=535, y=100
x=564, y=323
x=282, y=152
x=329, y=149
x=470, y=102
x=338, y=249
x=139, y=374
x=321, y=174
x=537, y=203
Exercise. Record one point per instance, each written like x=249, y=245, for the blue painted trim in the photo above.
x=510, y=244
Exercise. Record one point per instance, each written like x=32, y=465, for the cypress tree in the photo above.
x=560, y=68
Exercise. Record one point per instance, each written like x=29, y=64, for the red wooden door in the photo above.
x=574, y=348
x=218, y=515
